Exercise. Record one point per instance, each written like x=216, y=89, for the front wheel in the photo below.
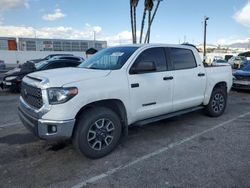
x=98, y=132
x=217, y=103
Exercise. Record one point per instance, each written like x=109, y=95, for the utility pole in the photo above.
x=94, y=38
x=249, y=44
x=35, y=38
x=205, y=37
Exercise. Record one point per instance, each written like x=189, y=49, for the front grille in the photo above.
x=245, y=78
x=32, y=95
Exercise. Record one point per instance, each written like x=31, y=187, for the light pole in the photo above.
x=94, y=35
x=35, y=38
x=249, y=44
x=94, y=38
x=205, y=37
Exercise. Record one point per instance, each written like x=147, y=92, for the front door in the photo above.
x=151, y=92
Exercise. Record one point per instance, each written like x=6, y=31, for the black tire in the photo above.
x=93, y=141
x=217, y=103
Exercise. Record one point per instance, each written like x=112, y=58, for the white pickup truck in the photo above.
x=95, y=103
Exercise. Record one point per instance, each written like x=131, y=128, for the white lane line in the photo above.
x=150, y=155
x=10, y=124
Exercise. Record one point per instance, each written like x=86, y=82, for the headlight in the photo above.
x=10, y=78
x=61, y=95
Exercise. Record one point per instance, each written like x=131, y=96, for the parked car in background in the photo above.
x=48, y=57
x=245, y=63
x=2, y=65
x=74, y=58
x=227, y=57
x=217, y=58
x=236, y=61
x=13, y=78
x=220, y=62
x=245, y=54
x=242, y=78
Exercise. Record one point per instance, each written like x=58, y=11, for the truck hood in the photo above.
x=242, y=73
x=63, y=76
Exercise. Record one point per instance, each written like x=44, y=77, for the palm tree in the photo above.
x=148, y=6
x=133, y=5
x=151, y=5
x=147, y=38
x=132, y=20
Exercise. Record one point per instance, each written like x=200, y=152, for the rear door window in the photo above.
x=182, y=58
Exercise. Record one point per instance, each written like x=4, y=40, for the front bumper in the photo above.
x=45, y=129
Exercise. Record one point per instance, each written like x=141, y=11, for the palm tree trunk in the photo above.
x=142, y=23
x=135, y=37
x=151, y=21
x=132, y=21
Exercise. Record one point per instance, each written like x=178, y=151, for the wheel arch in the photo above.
x=222, y=84
x=114, y=104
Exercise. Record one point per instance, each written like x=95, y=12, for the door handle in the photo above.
x=168, y=78
x=135, y=85
x=201, y=74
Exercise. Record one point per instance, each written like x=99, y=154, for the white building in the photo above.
x=57, y=45
x=15, y=51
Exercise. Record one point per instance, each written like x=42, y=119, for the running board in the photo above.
x=166, y=116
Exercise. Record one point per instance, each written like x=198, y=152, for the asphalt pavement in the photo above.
x=192, y=150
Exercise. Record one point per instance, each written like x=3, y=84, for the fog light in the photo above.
x=52, y=129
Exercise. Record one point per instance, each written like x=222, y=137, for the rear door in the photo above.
x=189, y=79
x=151, y=92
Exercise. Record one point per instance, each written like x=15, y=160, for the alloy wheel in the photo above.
x=100, y=134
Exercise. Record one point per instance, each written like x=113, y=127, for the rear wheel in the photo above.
x=98, y=132
x=217, y=103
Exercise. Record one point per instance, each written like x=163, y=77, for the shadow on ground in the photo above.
x=22, y=138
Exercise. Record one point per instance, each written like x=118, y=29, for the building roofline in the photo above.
x=54, y=39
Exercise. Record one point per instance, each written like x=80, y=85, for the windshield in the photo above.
x=48, y=57
x=109, y=58
x=40, y=65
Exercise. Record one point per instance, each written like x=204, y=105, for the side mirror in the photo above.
x=143, y=67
